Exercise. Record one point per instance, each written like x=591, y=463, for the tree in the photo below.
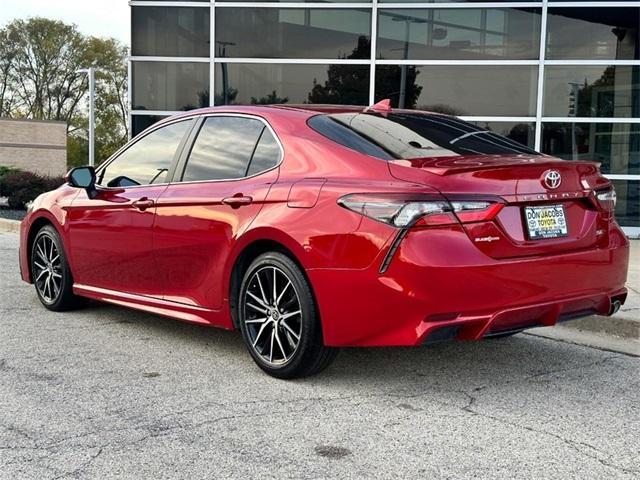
x=44, y=75
x=270, y=99
x=39, y=79
x=8, y=52
x=388, y=85
x=345, y=84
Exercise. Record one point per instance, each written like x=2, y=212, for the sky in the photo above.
x=101, y=18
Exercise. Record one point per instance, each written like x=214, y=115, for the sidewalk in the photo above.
x=620, y=333
x=625, y=323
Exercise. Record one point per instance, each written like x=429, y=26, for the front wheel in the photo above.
x=278, y=319
x=50, y=272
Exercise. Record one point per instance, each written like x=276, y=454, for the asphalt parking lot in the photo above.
x=110, y=393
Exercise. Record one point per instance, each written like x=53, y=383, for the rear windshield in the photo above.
x=413, y=135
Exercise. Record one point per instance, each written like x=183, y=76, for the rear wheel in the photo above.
x=278, y=319
x=50, y=272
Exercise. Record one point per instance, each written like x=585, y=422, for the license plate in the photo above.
x=545, y=222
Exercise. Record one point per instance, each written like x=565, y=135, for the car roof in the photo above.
x=306, y=110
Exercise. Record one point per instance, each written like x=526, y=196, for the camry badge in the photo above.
x=487, y=239
x=551, y=179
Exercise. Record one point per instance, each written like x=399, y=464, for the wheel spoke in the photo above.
x=282, y=293
x=256, y=320
x=42, y=272
x=40, y=266
x=260, y=302
x=40, y=253
x=284, y=355
x=50, y=249
x=47, y=287
x=273, y=334
x=264, y=297
x=292, y=343
x=264, y=325
x=258, y=309
x=289, y=330
x=275, y=296
x=55, y=259
x=56, y=286
x=289, y=315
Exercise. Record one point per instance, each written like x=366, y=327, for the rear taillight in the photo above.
x=607, y=199
x=403, y=211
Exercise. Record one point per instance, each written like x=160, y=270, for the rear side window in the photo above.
x=225, y=147
x=267, y=154
x=413, y=135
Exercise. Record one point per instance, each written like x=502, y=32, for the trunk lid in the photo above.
x=519, y=182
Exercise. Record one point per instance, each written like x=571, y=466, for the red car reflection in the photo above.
x=314, y=227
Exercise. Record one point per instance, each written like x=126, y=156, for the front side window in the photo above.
x=413, y=135
x=230, y=148
x=148, y=160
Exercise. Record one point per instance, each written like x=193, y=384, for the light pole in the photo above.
x=222, y=52
x=405, y=54
x=91, y=72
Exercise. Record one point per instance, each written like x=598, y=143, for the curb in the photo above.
x=9, y=226
x=622, y=325
x=602, y=341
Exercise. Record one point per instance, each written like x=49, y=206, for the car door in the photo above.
x=223, y=181
x=111, y=235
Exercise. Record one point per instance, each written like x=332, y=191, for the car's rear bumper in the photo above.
x=441, y=286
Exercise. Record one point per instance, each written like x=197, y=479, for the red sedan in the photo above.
x=314, y=227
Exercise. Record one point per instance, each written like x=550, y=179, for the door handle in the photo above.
x=143, y=203
x=237, y=201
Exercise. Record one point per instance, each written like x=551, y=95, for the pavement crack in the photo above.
x=577, y=446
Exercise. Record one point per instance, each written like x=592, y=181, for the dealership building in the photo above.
x=561, y=77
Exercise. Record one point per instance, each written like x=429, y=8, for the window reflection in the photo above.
x=628, y=206
x=593, y=33
x=456, y=33
x=292, y=32
x=459, y=89
x=170, y=85
x=223, y=149
x=278, y=83
x=148, y=160
x=523, y=133
x=140, y=123
x=591, y=91
x=171, y=32
x=615, y=145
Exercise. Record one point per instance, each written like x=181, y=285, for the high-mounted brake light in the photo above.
x=404, y=210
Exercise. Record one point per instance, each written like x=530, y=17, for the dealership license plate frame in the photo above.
x=558, y=230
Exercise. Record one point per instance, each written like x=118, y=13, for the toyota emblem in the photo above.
x=551, y=179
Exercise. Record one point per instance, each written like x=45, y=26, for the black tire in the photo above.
x=48, y=260
x=295, y=340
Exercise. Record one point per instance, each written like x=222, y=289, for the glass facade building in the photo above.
x=562, y=77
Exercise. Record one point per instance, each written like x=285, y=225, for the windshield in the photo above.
x=413, y=135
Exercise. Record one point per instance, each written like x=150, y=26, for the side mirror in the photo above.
x=83, y=177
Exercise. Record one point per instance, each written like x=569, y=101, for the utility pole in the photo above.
x=91, y=72
x=408, y=20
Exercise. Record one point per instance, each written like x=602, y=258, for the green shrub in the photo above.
x=4, y=170
x=21, y=187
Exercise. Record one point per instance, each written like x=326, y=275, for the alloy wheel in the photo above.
x=272, y=314
x=47, y=268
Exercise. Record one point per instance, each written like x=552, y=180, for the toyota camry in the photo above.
x=310, y=228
